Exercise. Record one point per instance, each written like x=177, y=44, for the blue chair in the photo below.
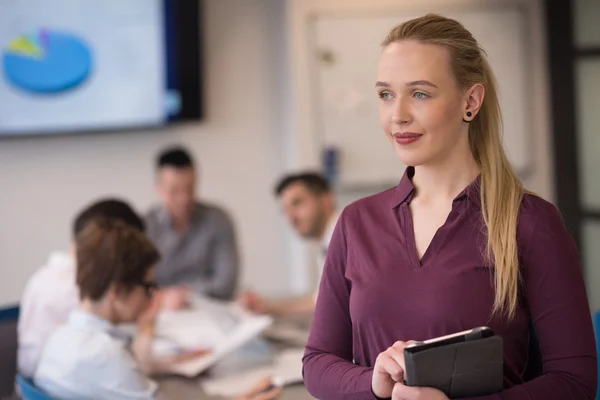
x=29, y=391
x=9, y=313
x=8, y=350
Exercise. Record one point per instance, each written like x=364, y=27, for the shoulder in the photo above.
x=538, y=214
x=152, y=216
x=541, y=229
x=88, y=348
x=57, y=277
x=533, y=206
x=214, y=213
x=368, y=210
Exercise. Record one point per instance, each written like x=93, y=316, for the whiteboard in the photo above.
x=346, y=52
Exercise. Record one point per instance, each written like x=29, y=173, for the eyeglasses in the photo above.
x=149, y=287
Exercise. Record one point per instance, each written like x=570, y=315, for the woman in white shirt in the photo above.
x=89, y=358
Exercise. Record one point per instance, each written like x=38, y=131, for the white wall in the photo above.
x=44, y=181
x=539, y=179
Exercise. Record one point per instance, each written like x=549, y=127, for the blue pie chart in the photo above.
x=47, y=62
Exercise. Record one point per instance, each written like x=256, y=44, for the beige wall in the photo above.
x=45, y=180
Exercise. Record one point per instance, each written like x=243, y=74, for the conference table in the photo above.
x=285, y=333
x=184, y=389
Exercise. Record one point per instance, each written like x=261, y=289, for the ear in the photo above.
x=116, y=291
x=111, y=294
x=473, y=100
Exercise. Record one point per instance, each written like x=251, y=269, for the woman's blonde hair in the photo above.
x=501, y=189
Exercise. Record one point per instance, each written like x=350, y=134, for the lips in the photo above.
x=405, y=138
x=404, y=135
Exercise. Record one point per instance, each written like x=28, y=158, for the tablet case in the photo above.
x=466, y=369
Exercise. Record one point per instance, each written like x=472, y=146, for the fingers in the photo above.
x=186, y=356
x=247, y=299
x=149, y=315
x=261, y=385
x=396, y=352
x=194, y=354
x=175, y=298
x=388, y=364
x=242, y=299
x=400, y=345
x=263, y=390
x=271, y=394
x=392, y=360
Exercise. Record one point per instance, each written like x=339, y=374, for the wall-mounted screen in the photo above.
x=80, y=65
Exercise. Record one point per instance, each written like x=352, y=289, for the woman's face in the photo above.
x=421, y=105
x=131, y=303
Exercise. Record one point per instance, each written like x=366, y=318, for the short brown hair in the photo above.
x=108, y=252
x=108, y=208
x=316, y=183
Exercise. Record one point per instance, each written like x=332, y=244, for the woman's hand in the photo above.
x=401, y=392
x=389, y=370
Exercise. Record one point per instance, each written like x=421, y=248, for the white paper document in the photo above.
x=208, y=324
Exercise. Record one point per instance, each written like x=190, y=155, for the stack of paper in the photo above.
x=220, y=327
x=286, y=370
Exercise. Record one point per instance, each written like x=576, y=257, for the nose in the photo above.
x=402, y=114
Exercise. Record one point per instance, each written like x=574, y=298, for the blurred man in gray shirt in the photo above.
x=196, y=240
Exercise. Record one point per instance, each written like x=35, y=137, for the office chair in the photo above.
x=29, y=391
x=8, y=350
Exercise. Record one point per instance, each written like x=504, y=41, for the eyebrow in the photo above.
x=409, y=84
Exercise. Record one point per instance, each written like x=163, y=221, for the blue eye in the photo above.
x=420, y=95
x=385, y=95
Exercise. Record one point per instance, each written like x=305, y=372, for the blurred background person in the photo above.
x=309, y=205
x=51, y=294
x=89, y=357
x=196, y=240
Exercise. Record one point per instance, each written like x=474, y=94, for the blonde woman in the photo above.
x=457, y=244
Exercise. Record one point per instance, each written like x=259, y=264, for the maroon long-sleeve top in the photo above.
x=375, y=291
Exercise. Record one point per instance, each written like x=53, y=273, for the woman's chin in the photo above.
x=411, y=158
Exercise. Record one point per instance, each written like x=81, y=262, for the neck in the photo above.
x=99, y=309
x=325, y=227
x=445, y=181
